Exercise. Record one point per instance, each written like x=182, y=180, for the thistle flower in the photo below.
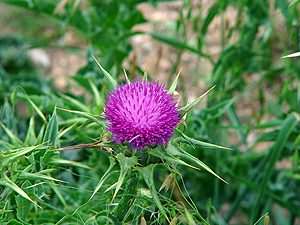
x=141, y=113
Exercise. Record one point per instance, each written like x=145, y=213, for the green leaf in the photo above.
x=97, y=97
x=94, y=118
x=6, y=159
x=189, y=140
x=30, y=137
x=13, y=138
x=174, y=84
x=61, y=133
x=112, y=81
x=37, y=176
x=50, y=139
x=8, y=183
x=40, y=136
x=147, y=174
x=161, y=153
x=125, y=163
x=56, y=160
x=5, y=145
x=294, y=2
x=105, y=176
x=59, y=195
x=174, y=150
x=51, y=131
x=212, y=12
x=76, y=103
x=189, y=217
x=24, y=204
x=130, y=194
x=190, y=105
x=7, y=117
x=14, y=222
x=39, y=112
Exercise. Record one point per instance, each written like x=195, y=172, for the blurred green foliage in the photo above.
x=257, y=185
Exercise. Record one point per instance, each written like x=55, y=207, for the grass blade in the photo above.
x=287, y=127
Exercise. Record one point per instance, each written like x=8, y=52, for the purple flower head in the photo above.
x=141, y=113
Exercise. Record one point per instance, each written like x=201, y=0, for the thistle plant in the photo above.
x=141, y=137
x=142, y=120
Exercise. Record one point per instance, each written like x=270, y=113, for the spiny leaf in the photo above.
x=19, y=152
x=50, y=138
x=174, y=150
x=108, y=76
x=55, y=160
x=76, y=103
x=105, y=176
x=40, y=136
x=63, y=132
x=51, y=130
x=294, y=2
x=8, y=183
x=23, y=205
x=186, y=108
x=94, y=118
x=14, y=139
x=39, y=112
x=147, y=174
x=160, y=152
x=125, y=163
x=59, y=195
x=174, y=84
x=189, y=140
x=174, y=42
x=37, y=176
x=189, y=217
x=31, y=137
x=97, y=96
x=5, y=145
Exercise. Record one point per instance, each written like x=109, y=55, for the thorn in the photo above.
x=127, y=80
x=202, y=96
x=146, y=64
x=103, y=85
x=179, y=73
x=97, y=62
x=208, y=90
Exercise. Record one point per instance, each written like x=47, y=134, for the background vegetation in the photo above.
x=254, y=109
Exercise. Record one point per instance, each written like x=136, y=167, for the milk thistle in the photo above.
x=141, y=113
